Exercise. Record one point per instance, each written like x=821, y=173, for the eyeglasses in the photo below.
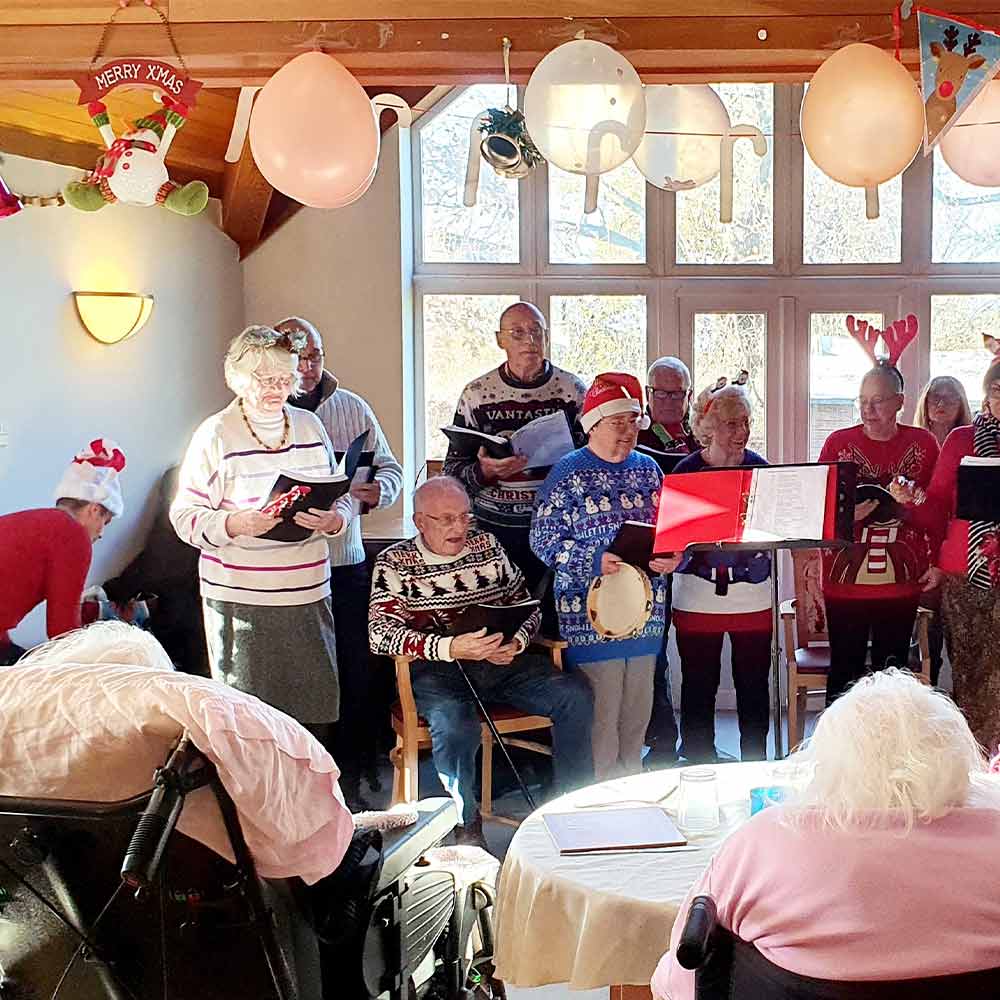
x=943, y=399
x=522, y=334
x=275, y=381
x=674, y=395
x=452, y=520
x=993, y=392
x=876, y=401
x=621, y=423
x=311, y=360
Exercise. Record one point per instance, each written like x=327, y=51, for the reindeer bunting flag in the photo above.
x=957, y=59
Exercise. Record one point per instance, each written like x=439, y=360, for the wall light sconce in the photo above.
x=112, y=317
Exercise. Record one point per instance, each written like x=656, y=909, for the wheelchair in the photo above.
x=106, y=901
x=728, y=968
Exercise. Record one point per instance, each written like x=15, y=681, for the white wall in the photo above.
x=343, y=271
x=59, y=388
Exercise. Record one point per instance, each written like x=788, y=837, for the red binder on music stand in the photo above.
x=766, y=506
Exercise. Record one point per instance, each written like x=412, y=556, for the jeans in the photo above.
x=701, y=665
x=530, y=684
x=849, y=623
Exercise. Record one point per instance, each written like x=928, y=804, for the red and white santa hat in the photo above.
x=93, y=476
x=612, y=393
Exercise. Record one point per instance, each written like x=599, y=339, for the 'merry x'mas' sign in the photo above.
x=99, y=82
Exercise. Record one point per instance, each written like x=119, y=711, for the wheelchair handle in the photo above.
x=696, y=938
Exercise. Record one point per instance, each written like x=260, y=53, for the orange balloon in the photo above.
x=313, y=133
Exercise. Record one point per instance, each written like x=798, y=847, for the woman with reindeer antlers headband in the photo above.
x=872, y=588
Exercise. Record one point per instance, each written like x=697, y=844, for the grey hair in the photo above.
x=670, y=364
x=112, y=642
x=299, y=323
x=259, y=349
x=892, y=749
x=433, y=487
x=705, y=410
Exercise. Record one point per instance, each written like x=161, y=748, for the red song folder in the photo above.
x=766, y=504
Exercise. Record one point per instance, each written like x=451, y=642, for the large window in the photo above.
x=651, y=273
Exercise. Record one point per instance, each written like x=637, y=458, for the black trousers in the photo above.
x=661, y=733
x=10, y=654
x=889, y=624
x=355, y=733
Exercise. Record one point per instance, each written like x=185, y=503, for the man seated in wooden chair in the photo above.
x=418, y=588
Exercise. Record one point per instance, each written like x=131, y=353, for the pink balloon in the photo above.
x=314, y=134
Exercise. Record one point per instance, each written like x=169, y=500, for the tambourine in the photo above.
x=620, y=604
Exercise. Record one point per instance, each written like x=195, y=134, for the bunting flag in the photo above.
x=957, y=59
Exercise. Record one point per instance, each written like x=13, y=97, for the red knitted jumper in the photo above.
x=44, y=556
x=886, y=560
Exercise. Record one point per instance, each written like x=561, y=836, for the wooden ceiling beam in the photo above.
x=246, y=196
x=415, y=52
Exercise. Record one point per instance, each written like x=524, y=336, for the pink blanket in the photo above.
x=80, y=732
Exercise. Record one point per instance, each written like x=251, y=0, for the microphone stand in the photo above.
x=495, y=733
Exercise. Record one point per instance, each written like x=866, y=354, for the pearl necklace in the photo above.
x=253, y=433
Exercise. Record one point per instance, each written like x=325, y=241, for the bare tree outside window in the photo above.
x=958, y=323
x=966, y=222
x=599, y=333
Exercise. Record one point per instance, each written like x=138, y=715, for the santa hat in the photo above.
x=93, y=476
x=612, y=393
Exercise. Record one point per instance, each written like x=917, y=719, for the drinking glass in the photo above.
x=698, y=809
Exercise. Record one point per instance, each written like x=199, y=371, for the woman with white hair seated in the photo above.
x=719, y=592
x=887, y=864
x=266, y=603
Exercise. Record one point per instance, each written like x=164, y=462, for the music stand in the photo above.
x=842, y=536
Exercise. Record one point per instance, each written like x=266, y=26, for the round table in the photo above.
x=597, y=920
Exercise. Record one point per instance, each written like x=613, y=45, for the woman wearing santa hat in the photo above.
x=266, y=602
x=587, y=496
x=45, y=553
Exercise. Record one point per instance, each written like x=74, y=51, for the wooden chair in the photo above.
x=413, y=735
x=807, y=644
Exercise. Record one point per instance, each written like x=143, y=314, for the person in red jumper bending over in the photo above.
x=872, y=588
x=45, y=553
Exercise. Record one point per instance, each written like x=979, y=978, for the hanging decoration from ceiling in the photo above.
x=314, y=132
x=10, y=204
x=972, y=146
x=689, y=141
x=500, y=137
x=862, y=119
x=957, y=59
x=133, y=169
x=585, y=110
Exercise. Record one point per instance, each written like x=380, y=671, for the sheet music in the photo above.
x=786, y=503
x=544, y=440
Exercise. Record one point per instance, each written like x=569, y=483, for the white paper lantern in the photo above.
x=585, y=108
x=685, y=124
x=862, y=119
x=971, y=147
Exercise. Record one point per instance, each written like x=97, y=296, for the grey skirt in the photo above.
x=286, y=656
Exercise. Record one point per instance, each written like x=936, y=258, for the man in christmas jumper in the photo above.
x=872, y=588
x=502, y=401
x=585, y=499
x=668, y=395
x=45, y=553
x=418, y=587
x=345, y=415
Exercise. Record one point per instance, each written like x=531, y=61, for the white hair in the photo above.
x=705, y=410
x=670, y=364
x=298, y=323
x=890, y=748
x=259, y=350
x=111, y=642
x=434, y=487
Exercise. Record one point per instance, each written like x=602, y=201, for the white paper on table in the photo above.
x=787, y=503
x=544, y=440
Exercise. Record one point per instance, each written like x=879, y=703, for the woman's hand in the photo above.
x=863, y=509
x=249, y=522
x=327, y=521
x=610, y=564
x=905, y=491
x=931, y=578
x=666, y=564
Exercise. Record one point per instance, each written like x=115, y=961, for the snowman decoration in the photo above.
x=132, y=169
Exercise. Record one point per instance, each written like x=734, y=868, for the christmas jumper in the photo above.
x=887, y=559
x=580, y=507
x=722, y=591
x=416, y=594
x=672, y=438
x=225, y=470
x=498, y=403
x=44, y=556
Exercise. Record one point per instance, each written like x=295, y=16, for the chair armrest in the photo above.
x=555, y=648
x=787, y=609
x=406, y=700
x=696, y=938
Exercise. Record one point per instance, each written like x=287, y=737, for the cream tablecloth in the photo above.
x=604, y=919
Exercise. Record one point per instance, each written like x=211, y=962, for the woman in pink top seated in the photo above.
x=887, y=866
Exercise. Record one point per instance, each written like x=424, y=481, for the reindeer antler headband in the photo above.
x=721, y=383
x=895, y=338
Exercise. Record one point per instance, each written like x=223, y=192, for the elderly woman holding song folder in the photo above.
x=266, y=602
x=965, y=562
x=715, y=593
